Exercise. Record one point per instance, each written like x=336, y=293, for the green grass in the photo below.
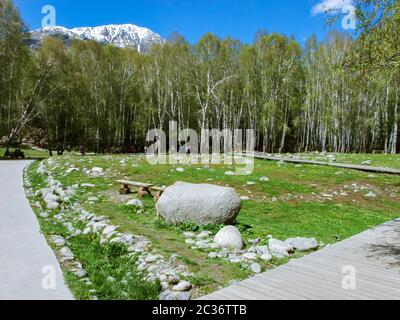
x=297, y=211
x=29, y=153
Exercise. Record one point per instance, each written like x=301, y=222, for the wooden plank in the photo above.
x=305, y=284
x=159, y=189
x=135, y=184
x=364, y=288
x=372, y=277
x=331, y=164
x=319, y=275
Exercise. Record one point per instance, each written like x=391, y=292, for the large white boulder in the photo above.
x=229, y=237
x=203, y=204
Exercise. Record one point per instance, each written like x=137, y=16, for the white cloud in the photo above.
x=330, y=5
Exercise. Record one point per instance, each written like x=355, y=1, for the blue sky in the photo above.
x=240, y=19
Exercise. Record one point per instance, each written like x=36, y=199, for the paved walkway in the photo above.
x=373, y=257
x=23, y=249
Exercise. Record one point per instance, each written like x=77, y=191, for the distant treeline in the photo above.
x=106, y=99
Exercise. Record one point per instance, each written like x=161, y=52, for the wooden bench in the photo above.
x=143, y=188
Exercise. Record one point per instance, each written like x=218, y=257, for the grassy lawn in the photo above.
x=299, y=200
x=29, y=153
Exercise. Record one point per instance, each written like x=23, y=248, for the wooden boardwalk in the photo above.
x=374, y=256
x=330, y=164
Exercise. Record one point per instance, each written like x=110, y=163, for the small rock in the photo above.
x=250, y=256
x=173, y=279
x=188, y=235
x=371, y=195
x=180, y=170
x=212, y=255
x=66, y=254
x=256, y=268
x=44, y=215
x=261, y=249
x=266, y=257
x=87, y=185
x=190, y=241
x=279, y=249
x=182, y=286
x=97, y=170
x=108, y=230
x=172, y=296
x=204, y=234
x=255, y=241
x=229, y=237
x=302, y=244
x=135, y=203
x=58, y=240
x=151, y=259
x=80, y=273
x=264, y=179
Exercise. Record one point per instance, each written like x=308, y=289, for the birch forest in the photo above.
x=339, y=95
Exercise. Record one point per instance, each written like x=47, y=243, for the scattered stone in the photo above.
x=87, y=185
x=58, y=240
x=108, y=230
x=229, y=237
x=203, y=204
x=80, y=273
x=190, y=241
x=279, y=249
x=188, y=235
x=256, y=268
x=250, y=256
x=261, y=249
x=66, y=254
x=204, y=234
x=180, y=169
x=371, y=195
x=173, y=279
x=172, y=296
x=266, y=257
x=151, y=259
x=255, y=241
x=302, y=244
x=367, y=162
x=135, y=203
x=44, y=215
x=264, y=179
x=97, y=171
x=182, y=286
x=212, y=255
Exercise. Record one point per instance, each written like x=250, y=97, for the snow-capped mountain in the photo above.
x=126, y=35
